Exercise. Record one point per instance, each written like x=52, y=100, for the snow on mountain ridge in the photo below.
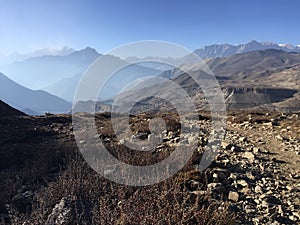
x=289, y=46
x=224, y=50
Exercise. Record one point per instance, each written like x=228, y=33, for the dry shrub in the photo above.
x=96, y=200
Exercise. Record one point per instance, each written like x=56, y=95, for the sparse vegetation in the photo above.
x=46, y=181
x=52, y=170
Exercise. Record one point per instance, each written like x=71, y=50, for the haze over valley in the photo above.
x=53, y=79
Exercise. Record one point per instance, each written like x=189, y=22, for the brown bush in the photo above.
x=95, y=200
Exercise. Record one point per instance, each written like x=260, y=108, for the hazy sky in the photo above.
x=35, y=24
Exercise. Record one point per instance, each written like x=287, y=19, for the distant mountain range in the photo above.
x=224, y=50
x=256, y=68
x=60, y=75
x=30, y=101
x=252, y=64
x=120, y=79
x=39, y=72
x=263, y=78
x=15, y=57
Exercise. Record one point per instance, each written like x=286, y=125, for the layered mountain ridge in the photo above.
x=225, y=50
x=265, y=78
x=30, y=101
x=263, y=67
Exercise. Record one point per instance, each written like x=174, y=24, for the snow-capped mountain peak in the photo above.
x=288, y=46
x=224, y=50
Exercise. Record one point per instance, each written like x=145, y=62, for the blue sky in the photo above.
x=35, y=24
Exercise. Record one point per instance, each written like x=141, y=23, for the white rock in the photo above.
x=233, y=196
x=258, y=189
x=249, y=155
x=256, y=150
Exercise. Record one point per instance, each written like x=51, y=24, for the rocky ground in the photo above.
x=257, y=170
x=256, y=173
x=264, y=168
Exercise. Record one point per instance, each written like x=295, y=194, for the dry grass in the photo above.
x=95, y=200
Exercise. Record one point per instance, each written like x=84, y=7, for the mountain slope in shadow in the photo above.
x=6, y=110
x=28, y=100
